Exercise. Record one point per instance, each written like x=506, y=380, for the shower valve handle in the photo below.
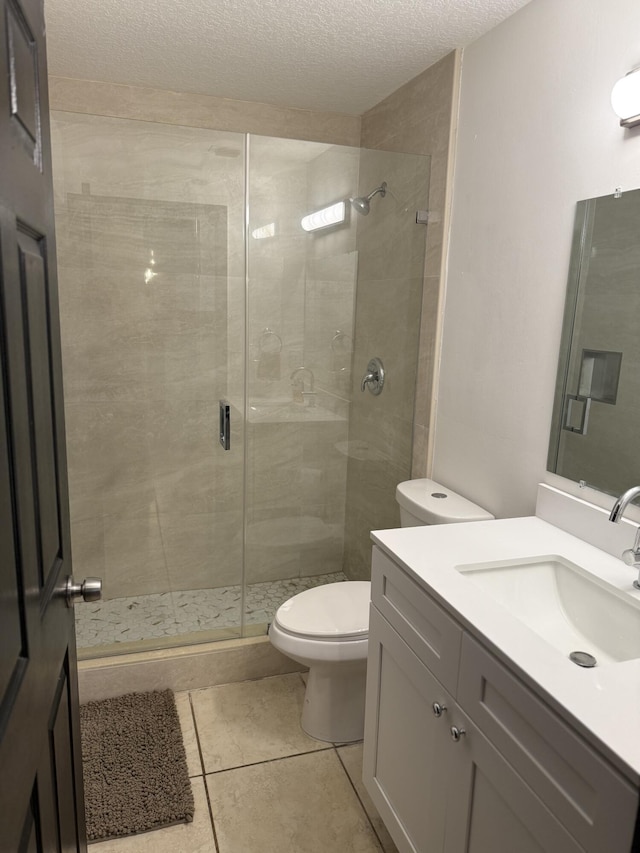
x=374, y=377
x=368, y=377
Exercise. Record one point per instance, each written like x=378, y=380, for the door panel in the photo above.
x=22, y=50
x=33, y=286
x=12, y=640
x=41, y=807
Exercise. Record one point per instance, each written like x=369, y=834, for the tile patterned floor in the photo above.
x=168, y=614
x=260, y=784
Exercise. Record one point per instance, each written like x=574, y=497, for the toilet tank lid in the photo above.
x=332, y=610
x=433, y=503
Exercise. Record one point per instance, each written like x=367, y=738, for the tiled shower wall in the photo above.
x=419, y=118
x=391, y=250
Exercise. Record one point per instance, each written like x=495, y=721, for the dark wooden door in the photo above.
x=41, y=806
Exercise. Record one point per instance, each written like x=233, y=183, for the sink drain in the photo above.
x=583, y=659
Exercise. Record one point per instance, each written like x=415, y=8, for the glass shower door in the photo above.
x=150, y=225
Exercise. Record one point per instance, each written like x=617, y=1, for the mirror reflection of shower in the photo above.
x=362, y=203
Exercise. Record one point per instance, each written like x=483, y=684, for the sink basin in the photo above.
x=568, y=607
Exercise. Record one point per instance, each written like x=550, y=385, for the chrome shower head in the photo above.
x=362, y=205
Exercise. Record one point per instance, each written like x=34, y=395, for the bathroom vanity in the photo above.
x=481, y=734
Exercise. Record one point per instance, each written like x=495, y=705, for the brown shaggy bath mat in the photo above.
x=135, y=767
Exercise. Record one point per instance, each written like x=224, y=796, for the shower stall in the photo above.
x=221, y=454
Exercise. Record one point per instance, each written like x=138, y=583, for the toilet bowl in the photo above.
x=327, y=628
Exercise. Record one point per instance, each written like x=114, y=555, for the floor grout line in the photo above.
x=270, y=760
x=355, y=791
x=251, y=679
x=204, y=778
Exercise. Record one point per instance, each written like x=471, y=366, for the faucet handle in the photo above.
x=631, y=557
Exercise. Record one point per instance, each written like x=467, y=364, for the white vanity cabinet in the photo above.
x=460, y=755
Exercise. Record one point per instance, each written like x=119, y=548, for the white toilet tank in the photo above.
x=427, y=502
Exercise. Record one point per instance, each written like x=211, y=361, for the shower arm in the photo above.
x=382, y=189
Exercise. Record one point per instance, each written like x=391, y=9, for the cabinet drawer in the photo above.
x=589, y=797
x=430, y=632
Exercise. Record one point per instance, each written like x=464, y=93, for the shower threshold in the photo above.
x=184, y=614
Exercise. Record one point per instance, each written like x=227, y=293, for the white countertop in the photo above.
x=602, y=703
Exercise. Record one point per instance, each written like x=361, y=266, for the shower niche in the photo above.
x=185, y=279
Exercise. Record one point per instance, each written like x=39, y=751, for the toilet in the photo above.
x=327, y=628
x=427, y=502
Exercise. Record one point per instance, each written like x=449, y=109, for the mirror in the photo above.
x=595, y=431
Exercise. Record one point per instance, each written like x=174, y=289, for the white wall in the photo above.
x=536, y=134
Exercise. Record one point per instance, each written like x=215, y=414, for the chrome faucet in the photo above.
x=297, y=380
x=632, y=555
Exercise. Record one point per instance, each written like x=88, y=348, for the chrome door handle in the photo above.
x=374, y=377
x=570, y=400
x=225, y=424
x=456, y=733
x=89, y=590
x=438, y=709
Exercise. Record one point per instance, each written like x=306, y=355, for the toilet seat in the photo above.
x=327, y=630
x=333, y=612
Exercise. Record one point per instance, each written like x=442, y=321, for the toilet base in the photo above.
x=333, y=708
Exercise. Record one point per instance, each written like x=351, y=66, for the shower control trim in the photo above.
x=225, y=424
x=374, y=377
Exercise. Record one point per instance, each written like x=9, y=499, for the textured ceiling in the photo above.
x=341, y=55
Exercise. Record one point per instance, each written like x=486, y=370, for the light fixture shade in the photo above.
x=332, y=215
x=625, y=99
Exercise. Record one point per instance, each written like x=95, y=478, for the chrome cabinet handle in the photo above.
x=438, y=709
x=374, y=377
x=456, y=733
x=89, y=590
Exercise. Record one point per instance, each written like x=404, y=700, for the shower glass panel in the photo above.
x=149, y=222
x=323, y=458
x=168, y=307
x=301, y=298
x=391, y=263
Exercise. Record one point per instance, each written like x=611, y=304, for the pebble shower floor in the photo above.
x=169, y=614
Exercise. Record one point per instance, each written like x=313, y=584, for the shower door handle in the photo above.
x=225, y=424
x=568, y=422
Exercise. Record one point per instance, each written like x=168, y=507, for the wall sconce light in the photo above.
x=625, y=99
x=332, y=215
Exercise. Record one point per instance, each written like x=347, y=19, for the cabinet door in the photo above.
x=590, y=798
x=405, y=742
x=491, y=807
